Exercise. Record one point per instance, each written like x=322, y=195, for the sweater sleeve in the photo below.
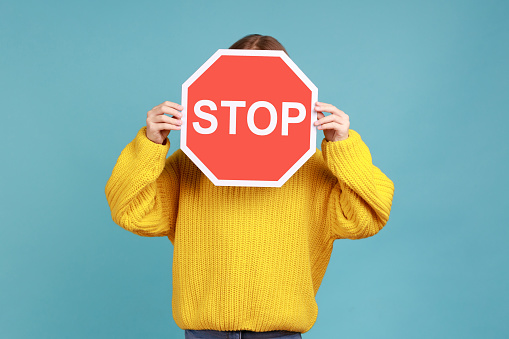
x=143, y=189
x=360, y=202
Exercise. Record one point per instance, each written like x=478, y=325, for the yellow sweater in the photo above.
x=249, y=258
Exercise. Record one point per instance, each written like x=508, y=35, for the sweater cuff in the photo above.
x=349, y=160
x=343, y=149
x=148, y=149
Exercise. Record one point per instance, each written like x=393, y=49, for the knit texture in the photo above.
x=249, y=258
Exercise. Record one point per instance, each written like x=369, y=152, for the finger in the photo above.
x=162, y=119
x=330, y=118
x=320, y=115
x=166, y=119
x=323, y=107
x=334, y=111
x=173, y=105
x=160, y=110
x=165, y=126
x=171, y=111
x=330, y=125
x=328, y=108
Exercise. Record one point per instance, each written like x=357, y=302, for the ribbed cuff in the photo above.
x=150, y=151
x=343, y=148
x=349, y=160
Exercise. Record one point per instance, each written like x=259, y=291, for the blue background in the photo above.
x=425, y=83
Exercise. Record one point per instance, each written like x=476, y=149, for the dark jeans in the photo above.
x=209, y=334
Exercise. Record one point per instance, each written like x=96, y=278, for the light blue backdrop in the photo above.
x=425, y=83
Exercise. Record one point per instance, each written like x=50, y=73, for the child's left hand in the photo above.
x=335, y=126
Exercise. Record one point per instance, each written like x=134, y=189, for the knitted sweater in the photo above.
x=249, y=258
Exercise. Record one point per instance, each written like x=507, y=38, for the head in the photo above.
x=257, y=41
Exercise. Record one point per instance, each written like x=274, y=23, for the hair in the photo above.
x=258, y=41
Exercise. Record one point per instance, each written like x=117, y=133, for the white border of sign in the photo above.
x=249, y=183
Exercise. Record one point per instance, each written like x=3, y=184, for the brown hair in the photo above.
x=257, y=41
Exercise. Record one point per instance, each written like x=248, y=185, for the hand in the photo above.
x=159, y=125
x=335, y=126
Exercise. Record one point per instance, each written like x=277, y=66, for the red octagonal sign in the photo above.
x=249, y=118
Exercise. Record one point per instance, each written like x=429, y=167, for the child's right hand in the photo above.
x=159, y=125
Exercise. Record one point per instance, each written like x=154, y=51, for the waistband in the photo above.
x=206, y=334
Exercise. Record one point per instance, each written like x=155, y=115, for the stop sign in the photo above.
x=248, y=118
